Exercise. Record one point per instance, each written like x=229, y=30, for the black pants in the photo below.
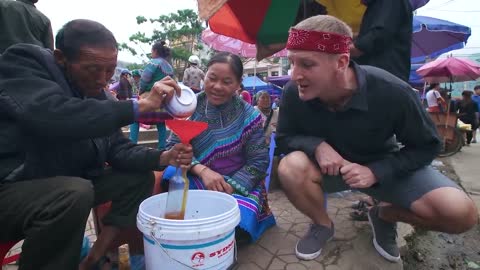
x=51, y=213
x=472, y=121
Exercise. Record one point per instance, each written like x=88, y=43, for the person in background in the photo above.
x=22, y=22
x=136, y=74
x=276, y=103
x=231, y=155
x=157, y=68
x=449, y=101
x=340, y=97
x=468, y=113
x=269, y=115
x=59, y=130
x=244, y=94
x=385, y=37
x=476, y=99
x=435, y=102
x=124, y=90
x=193, y=75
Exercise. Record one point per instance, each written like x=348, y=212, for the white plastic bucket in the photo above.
x=205, y=239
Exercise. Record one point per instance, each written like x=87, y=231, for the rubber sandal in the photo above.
x=359, y=215
x=359, y=205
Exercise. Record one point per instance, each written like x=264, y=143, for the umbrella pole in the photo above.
x=424, y=89
x=448, y=106
x=255, y=75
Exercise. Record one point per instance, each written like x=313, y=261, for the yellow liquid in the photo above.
x=175, y=215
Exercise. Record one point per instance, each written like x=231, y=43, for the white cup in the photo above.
x=182, y=106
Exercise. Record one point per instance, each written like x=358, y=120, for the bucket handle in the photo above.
x=152, y=234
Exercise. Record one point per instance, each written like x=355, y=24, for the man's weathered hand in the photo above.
x=358, y=176
x=180, y=155
x=215, y=181
x=161, y=92
x=328, y=159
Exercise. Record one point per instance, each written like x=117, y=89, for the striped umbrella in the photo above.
x=266, y=22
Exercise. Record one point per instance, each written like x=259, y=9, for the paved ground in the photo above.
x=466, y=164
x=351, y=247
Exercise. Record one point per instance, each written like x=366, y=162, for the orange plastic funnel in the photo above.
x=186, y=130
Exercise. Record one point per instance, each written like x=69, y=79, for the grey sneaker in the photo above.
x=310, y=246
x=384, y=236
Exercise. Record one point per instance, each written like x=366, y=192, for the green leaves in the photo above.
x=182, y=29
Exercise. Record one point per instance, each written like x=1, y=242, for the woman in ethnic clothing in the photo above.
x=158, y=68
x=269, y=115
x=231, y=156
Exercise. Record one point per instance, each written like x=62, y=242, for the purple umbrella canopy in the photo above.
x=433, y=37
x=418, y=3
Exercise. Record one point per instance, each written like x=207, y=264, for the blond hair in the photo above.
x=325, y=23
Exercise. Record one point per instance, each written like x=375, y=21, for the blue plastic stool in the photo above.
x=85, y=247
x=271, y=154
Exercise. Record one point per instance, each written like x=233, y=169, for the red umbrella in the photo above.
x=450, y=69
x=228, y=44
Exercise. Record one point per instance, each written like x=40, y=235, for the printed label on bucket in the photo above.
x=217, y=254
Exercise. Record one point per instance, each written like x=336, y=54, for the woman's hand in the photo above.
x=215, y=181
x=180, y=155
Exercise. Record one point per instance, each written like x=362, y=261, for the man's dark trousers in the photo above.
x=51, y=213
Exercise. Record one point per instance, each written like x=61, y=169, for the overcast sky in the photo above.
x=119, y=16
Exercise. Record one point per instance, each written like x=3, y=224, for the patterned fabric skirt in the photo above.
x=256, y=216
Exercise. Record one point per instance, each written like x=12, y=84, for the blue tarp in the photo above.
x=253, y=84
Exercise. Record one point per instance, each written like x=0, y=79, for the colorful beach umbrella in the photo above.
x=266, y=22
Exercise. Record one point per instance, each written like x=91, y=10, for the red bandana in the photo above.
x=318, y=41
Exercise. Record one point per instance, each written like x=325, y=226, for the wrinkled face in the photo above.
x=220, y=84
x=315, y=73
x=264, y=101
x=91, y=71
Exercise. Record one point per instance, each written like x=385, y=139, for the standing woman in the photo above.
x=158, y=68
x=231, y=156
x=435, y=101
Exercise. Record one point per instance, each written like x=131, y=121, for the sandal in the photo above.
x=364, y=203
x=360, y=215
x=359, y=205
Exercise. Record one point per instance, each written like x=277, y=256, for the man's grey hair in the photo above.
x=325, y=23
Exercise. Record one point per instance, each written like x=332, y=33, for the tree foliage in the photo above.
x=182, y=29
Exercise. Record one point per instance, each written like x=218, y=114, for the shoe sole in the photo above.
x=309, y=257
x=379, y=249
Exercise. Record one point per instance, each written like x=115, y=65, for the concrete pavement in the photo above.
x=467, y=166
x=351, y=248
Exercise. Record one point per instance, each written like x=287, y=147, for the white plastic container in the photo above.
x=205, y=239
x=183, y=106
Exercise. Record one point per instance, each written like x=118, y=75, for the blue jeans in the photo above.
x=162, y=132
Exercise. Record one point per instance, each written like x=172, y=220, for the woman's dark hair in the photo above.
x=83, y=33
x=162, y=50
x=467, y=93
x=232, y=60
x=433, y=85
